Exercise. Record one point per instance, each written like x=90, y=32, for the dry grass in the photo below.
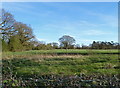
x=42, y=56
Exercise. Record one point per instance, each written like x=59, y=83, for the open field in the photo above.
x=46, y=68
x=60, y=52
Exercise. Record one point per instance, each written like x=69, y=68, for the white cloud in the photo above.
x=78, y=28
x=86, y=23
x=95, y=32
x=107, y=19
x=39, y=39
x=24, y=8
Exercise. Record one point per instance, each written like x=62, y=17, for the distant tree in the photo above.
x=95, y=45
x=104, y=45
x=77, y=46
x=116, y=45
x=66, y=41
x=33, y=44
x=40, y=45
x=54, y=45
x=49, y=46
x=85, y=46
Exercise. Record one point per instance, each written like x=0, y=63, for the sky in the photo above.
x=84, y=21
x=60, y=0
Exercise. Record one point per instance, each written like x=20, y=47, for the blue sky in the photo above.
x=85, y=21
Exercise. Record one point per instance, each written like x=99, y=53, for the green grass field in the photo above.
x=61, y=51
x=37, y=64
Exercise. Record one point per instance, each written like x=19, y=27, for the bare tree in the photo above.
x=6, y=25
x=66, y=41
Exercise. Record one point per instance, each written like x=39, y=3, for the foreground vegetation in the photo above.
x=72, y=68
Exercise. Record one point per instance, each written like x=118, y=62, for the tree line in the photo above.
x=15, y=36
x=18, y=36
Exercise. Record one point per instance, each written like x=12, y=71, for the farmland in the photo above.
x=60, y=67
